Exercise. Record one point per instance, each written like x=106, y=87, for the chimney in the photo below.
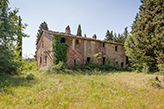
x=67, y=30
x=94, y=36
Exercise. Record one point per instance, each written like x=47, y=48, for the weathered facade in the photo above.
x=80, y=49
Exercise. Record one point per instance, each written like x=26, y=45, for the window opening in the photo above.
x=63, y=40
x=116, y=48
x=74, y=61
x=46, y=60
x=122, y=64
x=103, y=44
x=103, y=60
x=77, y=41
x=88, y=59
x=40, y=60
x=42, y=44
x=88, y=42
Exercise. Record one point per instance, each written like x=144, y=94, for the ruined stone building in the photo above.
x=80, y=49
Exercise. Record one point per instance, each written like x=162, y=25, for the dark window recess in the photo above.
x=88, y=43
x=88, y=59
x=127, y=60
x=46, y=60
x=74, y=61
x=103, y=60
x=40, y=60
x=42, y=44
x=116, y=63
x=103, y=44
x=63, y=40
x=77, y=41
x=116, y=48
x=122, y=64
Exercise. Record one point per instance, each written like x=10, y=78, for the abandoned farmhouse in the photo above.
x=80, y=49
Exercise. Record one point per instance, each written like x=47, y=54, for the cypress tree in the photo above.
x=79, y=31
x=147, y=40
x=19, y=42
x=125, y=35
x=109, y=36
x=85, y=35
x=44, y=26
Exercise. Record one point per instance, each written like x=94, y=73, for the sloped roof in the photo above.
x=74, y=36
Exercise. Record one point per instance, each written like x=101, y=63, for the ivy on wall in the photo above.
x=59, y=49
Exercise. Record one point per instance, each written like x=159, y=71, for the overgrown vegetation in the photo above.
x=146, y=44
x=110, y=65
x=10, y=38
x=59, y=49
x=81, y=89
x=120, y=38
x=28, y=64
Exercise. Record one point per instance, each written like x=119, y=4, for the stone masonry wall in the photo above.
x=44, y=50
x=78, y=53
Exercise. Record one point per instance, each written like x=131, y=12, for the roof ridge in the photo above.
x=75, y=36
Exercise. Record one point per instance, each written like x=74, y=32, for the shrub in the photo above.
x=142, y=68
x=60, y=66
x=27, y=65
x=161, y=69
x=111, y=64
x=30, y=77
x=145, y=68
x=75, y=67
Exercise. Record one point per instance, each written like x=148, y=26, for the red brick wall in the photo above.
x=44, y=48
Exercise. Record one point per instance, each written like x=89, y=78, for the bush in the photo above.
x=30, y=77
x=75, y=67
x=145, y=68
x=142, y=68
x=27, y=65
x=59, y=66
x=8, y=61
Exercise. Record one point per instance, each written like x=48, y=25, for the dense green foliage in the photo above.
x=28, y=64
x=10, y=28
x=146, y=45
x=44, y=26
x=59, y=49
x=109, y=36
x=79, y=32
x=85, y=35
x=120, y=38
x=19, y=42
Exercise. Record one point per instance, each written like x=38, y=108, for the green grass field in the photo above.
x=76, y=91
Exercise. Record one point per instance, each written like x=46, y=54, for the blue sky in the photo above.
x=95, y=17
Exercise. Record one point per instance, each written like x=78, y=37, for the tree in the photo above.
x=9, y=28
x=19, y=42
x=146, y=45
x=125, y=34
x=79, y=31
x=44, y=26
x=85, y=35
x=109, y=36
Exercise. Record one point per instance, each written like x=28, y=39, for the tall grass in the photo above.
x=81, y=89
